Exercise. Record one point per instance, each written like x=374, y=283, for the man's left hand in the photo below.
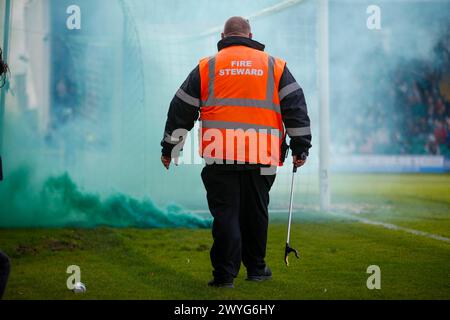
x=298, y=162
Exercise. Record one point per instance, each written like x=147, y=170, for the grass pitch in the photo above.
x=335, y=250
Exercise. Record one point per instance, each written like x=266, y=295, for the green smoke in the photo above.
x=58, y=202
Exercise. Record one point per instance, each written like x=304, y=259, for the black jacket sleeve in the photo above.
x=294, y=113
x=184, y=110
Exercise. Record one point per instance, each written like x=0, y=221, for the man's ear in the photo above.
x=250, y=35
x=223, y=35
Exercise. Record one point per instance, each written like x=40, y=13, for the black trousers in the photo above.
x=4, y=272
x=238, y=201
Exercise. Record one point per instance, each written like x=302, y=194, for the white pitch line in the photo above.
x=391, y=226
x=385, y=225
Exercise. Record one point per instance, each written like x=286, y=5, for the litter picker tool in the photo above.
x=291, y=200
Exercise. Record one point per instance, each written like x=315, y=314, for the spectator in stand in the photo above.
x=431, y=146
x=440, y=133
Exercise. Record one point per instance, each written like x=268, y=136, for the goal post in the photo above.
x=324, y=103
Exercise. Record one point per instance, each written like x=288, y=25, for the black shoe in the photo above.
x=260, y=276
x=220, y=284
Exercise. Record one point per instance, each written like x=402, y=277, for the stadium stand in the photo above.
x=414, y=115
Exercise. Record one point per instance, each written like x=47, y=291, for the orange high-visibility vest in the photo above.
x=240, y=107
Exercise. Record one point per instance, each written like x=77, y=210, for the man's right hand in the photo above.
x=166, y=161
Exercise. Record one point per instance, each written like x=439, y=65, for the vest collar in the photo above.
x=240, y=41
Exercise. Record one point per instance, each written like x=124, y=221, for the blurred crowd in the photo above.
x=423, y=96
x=410, y=113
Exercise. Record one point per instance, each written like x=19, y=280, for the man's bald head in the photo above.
x=237, y=26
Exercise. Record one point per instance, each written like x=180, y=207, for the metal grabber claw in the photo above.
x=287, y=251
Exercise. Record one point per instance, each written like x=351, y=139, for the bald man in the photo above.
x=240, y=89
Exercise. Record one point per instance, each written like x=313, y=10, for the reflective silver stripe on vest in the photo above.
x=241, y=102
x=298, y=132
x=270, y=81
x=211, y=76
x=212, y=124
x=187, y=98
x=283, y=93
